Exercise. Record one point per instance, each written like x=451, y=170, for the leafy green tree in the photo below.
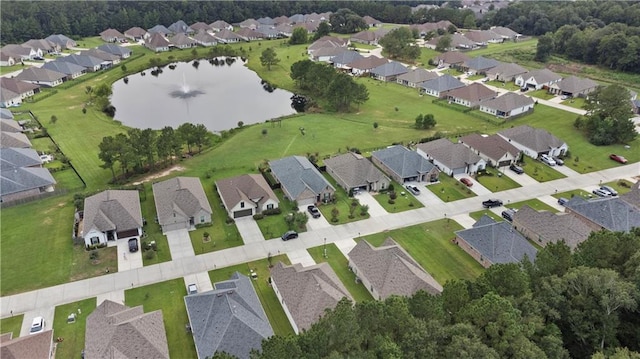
x=269, y=58
x=164, y=145
x=609, y=116
x=125, y=153
x=108, y=154
x=444, y=43
x=201, y=136
x=400, y=43
x=544, y=48
x=345, y=21
x=469, y=22
x=323, y=29
x=187, y=132
x=299, y=36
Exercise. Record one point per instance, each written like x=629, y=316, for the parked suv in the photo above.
x=492, y=203
x=601, y=193
x=516, y=169
x=548, y=160
x=612, y=192
x=562, y=201
x=558, y=160
x=314, y=211
x=37, y=325
x=508, y=214
x=289, y=235
x=413, y=189
x=192, y=288
x=133, y=245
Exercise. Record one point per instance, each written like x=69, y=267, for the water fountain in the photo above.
x=185, y=91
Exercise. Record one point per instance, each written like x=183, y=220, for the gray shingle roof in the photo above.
x=481, y=63
x=182, y=195
x=40, y=74
x=82, y=60
x=508, y=102
x=391, y=270
x=537, y=139
x=308, y=291
x=18, y=157
x=552, y=227
x=228, y=319
x=9, y=125
x=507, y=70
x=14, y=139
x=112, y=210
x=182, y=39
x=504, y=31
x=542, y=76
x=614, y=213
x=66, y=68
x=452, y=155
x=368, y=63
x=17, y=86
x=418, y=75
x=6, y=113
x=474, y=93
x=180, y=27
x=482, y=36
x=493, y=146
x=445, y=82
x=200, y=26
x=452, y=57
x=226, y=35
x=365, y=35
x=392, y=68
x=345, y=57
x=102, y=55
x=159, y=29
x=19, y=179
x=573, y=84
x=633, y=197
x=42, y=44
x=156, y=40
x=354, y=170
x=249, y=188
x=296, y=174
x=402, y=161
x=61, y=40
x=498, y=242
x=136, y=32
x=114, y=49
x=219, y=25
x=35, y=346
x=117, y=331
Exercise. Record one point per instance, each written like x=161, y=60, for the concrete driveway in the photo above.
x=315, y=224
x=567, y=171
x=375, y=209
x=477, y=188
x=180, y=244
x=249, y=230
x=126, y=259
x=201, y=280
x=523, y=180
x=426, y=197
x=47, y=313
x=464, y=220
x=301, y=256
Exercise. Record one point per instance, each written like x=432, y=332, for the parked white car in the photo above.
x=37, y=325
x=548, y=160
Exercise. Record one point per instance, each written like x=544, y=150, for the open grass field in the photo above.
x=494, y=181
x=73, y=334
x=12, y=324
x=430, y=245
x=449, y=189
x=167, y=296
x=478, y=214
x=340, y=266
x=505, y=47
x=533, y=203
x=7, y=69
x=539, y=171
x=270, y=302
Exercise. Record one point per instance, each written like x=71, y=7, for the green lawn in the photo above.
x=577, y=102
x=453, y=72
x=7, y=69
x=340, y=266
x=358, y=45
x=90, y=42
x=575, y=192
x=153, y=231
x=449, y=189
x=541, y=94
x=343, y=203
x=404, y=201
x=427, y=54
x=167, y=296
x=430, y=245
x=270, y=302
x=12, y=324
x=39, y=236
x=71, y=333
x=507, y=85
x=478, y=214
x=622, y=186
x=540, y=171
x=200, y=246
x=506, y=47
x=494, y=181
x=533, y=203
x=475, y=77
x=274, y=226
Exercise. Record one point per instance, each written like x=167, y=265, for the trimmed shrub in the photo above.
x=258, y=216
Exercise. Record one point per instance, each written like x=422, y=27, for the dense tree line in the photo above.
x=564, y=305
x=400, y=44
x=138, y=150
x=320, y=80
x=608, y=117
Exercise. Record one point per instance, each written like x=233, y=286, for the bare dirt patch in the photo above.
x=166, y=172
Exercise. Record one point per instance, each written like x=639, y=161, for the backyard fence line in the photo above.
x=41, y=196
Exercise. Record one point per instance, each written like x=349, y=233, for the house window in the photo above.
x=201, y=219
x=270, y=206
x=241, y=204
x=95, y=240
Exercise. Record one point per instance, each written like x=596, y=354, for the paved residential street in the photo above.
x=184, y=263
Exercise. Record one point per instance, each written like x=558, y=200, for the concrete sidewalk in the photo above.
x=45, y=299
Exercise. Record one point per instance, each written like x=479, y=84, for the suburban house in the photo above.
x=490, y=242
x=157, y=42
x=246, y=195
x=61, y=41
x=221, y=25
x=182, y=41
x=545, y=227
x=404, y=165
x=451, y=59
x=479, y=65
x=249, y=34
x=471, y=95
x=21, y=174
x=228, y=319
x=21, y=53
x=366, y=64
x=573, y=86
x=301, y=181
x=371, y=22
x=70, y=69
x=7, y=59
x=415, y=78
x=365, y=37
x=14, y=139
x=388, y=72
x=327, y=54
x=12, y=87
x=9, y=125
x=613, y=213
x=6, y=114
x=306, y=292
x=427, y=27
x=266, y=21
x=506, y=72
x=35, y=346
x=440, y=85
x=451, y=158
x=111, y=215
x=285, y=30
x=19, y=157
x=353, y=171
x=493, y=149
x=120, y=51
x=508, y=105
x=227, y=37
x=505, y=32
x=483, y=37
x=538, y=79
x=108, y=59
x=204, y=38
x=250, y=23
x=112, y=35
x=345, y=57
x=201, y=26
x=90, y=63
x=9, y=98
x=46, y=46
x=327, y=41
x=160, y=29
x=180, y=27
x=534, y=142
x=115, y=330
x=181, y=203
x=389, y=270
x=136, y=34
x=457, y=42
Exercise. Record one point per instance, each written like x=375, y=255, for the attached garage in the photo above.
x=459, y=171
x=243, y=213
x=504, y=163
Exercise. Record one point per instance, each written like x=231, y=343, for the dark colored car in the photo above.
x=289, y=235
x=558, y=160
x=133, y=245
x=508, y=214
x=314, y=211
x=516, y=169
x=467, y=182
x=618, y=158
x=601, y=193
x=562, y=201
x=492, y=203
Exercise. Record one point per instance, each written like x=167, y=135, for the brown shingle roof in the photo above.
x=368, y=63
x=452, y=155
x=36, y=346
x=494, y=146
x=14, y=139
x=249, y=188
x=308, y=291
x=474, y=93
x=354, y=170
x=452, y=57
x=40, y=74
x=536, y=139
x=17, y=86
x=508, y=102
x=183, y=195
x=117, y=331
x=391, y=270
x=112, y=210
x=551, y=227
